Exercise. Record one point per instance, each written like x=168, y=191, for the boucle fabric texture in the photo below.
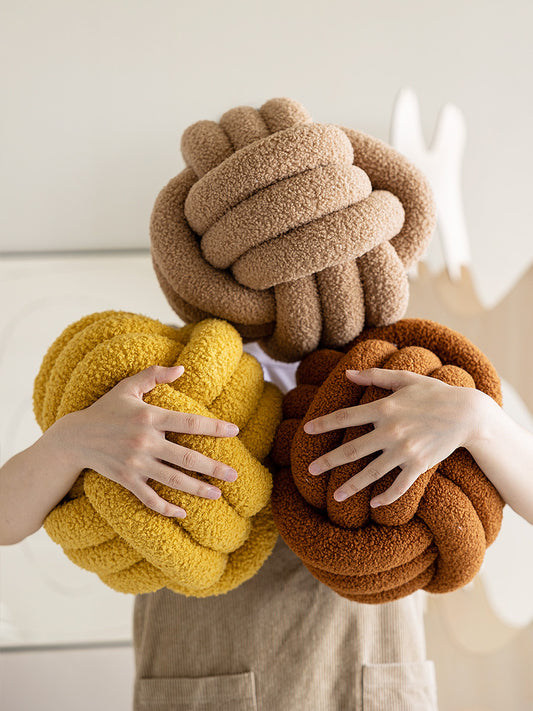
x=104, y=527
x=298, y=233
x=435, y=535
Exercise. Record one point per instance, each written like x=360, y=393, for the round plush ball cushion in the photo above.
x=101, y=525
x=298, y=233
x=435, y=535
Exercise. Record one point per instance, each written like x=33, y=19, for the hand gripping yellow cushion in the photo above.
x=100, y=524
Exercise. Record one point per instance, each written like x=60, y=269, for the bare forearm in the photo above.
x=504, y=451
x=34, y=481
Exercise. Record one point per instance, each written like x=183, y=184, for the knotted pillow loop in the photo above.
x=104, y=527
x=296, y=232
x=435, y=535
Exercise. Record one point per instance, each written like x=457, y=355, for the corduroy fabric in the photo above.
x=281, y=641
x=435, y=535
x=104, y=527
x=296, y=232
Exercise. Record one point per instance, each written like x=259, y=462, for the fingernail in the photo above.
x=213, y=493
x=340, y=496
x=309, y=427
x=232, y=430
x=375, y=503
x=180, y=514
x=315, y=468
x=231, y=475
x=353, y=372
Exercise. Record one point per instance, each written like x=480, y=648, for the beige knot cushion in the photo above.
x=298, y=233
x=435, y=535
x=105, y=528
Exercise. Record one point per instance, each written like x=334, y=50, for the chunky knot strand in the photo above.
x=296, y=232
x=435, y=535
x=102, y=526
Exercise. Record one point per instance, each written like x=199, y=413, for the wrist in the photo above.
x=58, y=446
x=484, y=414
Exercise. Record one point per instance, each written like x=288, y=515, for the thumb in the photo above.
x=383, y=377
x=145, y=380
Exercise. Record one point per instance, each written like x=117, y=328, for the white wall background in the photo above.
x=96, y=95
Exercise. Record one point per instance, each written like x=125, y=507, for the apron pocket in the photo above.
x=407, y=686
x=230, y=692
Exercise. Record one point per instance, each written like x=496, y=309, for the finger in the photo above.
x=195, y=461
x=383, y=377
x=401, y=484
x=371, y=473
x=346, y=417
x=153, y=501
x=144, y=381
x=347, y=452
x=177, y=479
x=189, y=423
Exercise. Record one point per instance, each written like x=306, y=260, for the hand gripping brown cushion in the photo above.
x=434, y=536
x=296, y=232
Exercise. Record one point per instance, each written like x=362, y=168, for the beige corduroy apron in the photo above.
x=281, y=641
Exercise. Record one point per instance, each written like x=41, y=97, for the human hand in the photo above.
x=421, y=423
x=123, y=438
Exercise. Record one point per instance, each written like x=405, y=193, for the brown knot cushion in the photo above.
x=102, y=526
x=298, y=233
x=434, y=536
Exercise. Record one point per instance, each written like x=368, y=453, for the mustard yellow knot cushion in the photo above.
x=299, y=233
x=435, y=535
x=100, y=524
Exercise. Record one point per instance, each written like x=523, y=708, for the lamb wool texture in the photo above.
x=298, y=233
x=435, y=535
x=101, y=525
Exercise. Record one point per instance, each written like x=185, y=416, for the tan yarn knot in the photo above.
x=297, y=232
